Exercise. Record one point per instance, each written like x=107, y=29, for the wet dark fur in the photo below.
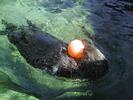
x=44, y=51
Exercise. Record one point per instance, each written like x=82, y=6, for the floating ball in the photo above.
x=76, y=49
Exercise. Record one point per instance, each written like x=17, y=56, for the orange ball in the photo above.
x=76, y=49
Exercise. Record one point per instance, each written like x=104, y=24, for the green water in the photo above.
x=65, y=24
x=64, y=19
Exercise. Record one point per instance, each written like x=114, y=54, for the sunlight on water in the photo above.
x=108, y=21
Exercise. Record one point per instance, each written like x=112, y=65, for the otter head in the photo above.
x=93, y=66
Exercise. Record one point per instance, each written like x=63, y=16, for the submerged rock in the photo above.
x=46, y=52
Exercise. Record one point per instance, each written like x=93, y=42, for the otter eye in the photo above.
x=76, y=49
x=63, y=50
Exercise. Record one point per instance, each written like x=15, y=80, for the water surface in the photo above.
x=109, y=22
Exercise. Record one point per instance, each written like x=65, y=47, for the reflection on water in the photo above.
x=112, y=22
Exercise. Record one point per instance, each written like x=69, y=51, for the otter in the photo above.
x=46, y=52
